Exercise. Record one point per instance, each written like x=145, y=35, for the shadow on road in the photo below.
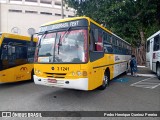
x=65, y=96
x=14, y=84
x=62, y=95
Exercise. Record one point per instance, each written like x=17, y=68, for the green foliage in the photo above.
x=126, y=18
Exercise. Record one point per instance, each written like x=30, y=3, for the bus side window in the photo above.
x=109, y=38
x=113, y=41
x=148, y=45
x=30, y=52
x=92, y=41
x=96, y=37
x=4, y=55
x=156, y=43
x=108, y=48
x=99, y=44
x=95, y=40
x=20, y=52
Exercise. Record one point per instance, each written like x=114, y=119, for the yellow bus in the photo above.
x=16, y=57
x=78, y=53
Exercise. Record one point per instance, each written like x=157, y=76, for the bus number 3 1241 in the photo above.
x=63, y=68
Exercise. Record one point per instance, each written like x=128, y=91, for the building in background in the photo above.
x=26, y=16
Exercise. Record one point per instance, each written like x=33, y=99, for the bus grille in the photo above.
x=55, y=75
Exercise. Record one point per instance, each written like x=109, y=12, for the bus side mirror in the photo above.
x=31, y=42
x=31, y=37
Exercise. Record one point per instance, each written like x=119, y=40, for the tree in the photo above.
x=132, y=20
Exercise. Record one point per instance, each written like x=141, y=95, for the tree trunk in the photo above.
x=140, y=51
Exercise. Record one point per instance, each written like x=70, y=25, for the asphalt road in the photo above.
x=119, y=96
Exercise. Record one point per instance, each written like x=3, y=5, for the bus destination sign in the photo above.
x=75, y=23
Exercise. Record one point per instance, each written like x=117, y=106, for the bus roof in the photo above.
x=153, y=35
x=64, y=20
x=89, y=19
x=16, y=36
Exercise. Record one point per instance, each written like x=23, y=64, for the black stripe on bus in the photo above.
x=108, y=65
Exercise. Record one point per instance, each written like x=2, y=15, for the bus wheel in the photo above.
x=105, y=82
x=32, y=73
x=158, y=72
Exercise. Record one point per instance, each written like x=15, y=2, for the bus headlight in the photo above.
x=38, y=71
x=79, y=73
x=73, y=73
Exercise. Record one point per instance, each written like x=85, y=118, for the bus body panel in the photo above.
x=97, y=69
x=68, y=72
x=94, y=71
x=19, y=73
x=121, y=64
x=61, y=75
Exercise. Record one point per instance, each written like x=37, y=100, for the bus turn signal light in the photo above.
x=84, y=73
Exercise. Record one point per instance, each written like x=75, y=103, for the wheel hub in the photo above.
x=105, y=80
x=158, y=71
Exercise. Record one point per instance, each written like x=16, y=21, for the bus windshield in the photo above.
x=63, y=47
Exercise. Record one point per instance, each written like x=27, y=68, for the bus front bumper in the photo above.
x=79, y=84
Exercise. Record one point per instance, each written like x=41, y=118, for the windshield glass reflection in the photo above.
x=60, y=47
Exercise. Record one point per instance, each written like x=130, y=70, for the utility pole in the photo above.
x=62, y=12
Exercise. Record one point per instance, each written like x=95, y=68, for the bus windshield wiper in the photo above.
x=66, y=32
x=59, y=43
x=59, y=39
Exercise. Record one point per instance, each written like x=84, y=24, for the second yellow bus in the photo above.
x=16, y=57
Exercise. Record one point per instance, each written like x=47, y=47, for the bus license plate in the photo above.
x=52, y=80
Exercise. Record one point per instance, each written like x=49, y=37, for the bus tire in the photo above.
x=126, y=69
x=32, y=73
x=105, y=81
x=158, y=71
